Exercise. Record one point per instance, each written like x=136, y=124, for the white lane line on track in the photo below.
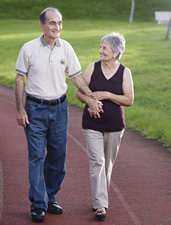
x=5, y=100
x=1, y=174
x=77, y=142
x=1, y=190
x=125, y=204
x=135, y=220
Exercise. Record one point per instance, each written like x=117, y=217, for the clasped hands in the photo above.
x=95, y=106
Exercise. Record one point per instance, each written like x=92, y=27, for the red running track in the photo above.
x=140, y=192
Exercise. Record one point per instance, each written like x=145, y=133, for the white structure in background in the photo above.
x=164, y=17
x=132, y=11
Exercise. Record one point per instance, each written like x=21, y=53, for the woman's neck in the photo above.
x=110, y=64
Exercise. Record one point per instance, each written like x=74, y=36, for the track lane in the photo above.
x=140, y=190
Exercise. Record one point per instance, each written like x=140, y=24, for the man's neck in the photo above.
x=50, y=42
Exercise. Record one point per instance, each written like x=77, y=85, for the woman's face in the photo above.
x=105, y=51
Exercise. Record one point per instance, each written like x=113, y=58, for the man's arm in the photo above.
x=81, y=85
x=94, y=106
x=22, y=118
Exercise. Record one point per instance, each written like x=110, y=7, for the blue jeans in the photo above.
x=47, y=130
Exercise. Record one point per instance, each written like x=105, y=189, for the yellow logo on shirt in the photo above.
x=62, y=61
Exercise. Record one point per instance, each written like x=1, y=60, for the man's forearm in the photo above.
x=94, y=106
x=21, y=117
x=82, y=97
x=81, y=85
x=19, y=90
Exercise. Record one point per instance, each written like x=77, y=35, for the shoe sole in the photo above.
x=38, y=219
x=54, y=212
x=100, y=217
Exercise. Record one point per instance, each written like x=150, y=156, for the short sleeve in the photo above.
x=22, y=62
x=73, y=66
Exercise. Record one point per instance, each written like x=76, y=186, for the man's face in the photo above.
x=53, y=26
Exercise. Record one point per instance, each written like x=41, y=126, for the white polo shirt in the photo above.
x=46, y=69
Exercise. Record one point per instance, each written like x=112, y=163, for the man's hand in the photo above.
x=22, y=118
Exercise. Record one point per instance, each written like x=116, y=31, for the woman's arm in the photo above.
x=127, y=98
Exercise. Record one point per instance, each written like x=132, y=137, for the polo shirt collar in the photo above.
x=45, y=44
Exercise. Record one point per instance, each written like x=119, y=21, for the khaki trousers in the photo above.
x=102, y=150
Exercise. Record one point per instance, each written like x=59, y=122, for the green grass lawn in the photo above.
x=147, y=55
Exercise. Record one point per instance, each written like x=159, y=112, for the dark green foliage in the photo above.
x=84, y=9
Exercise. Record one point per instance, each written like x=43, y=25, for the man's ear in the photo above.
x=41, y=24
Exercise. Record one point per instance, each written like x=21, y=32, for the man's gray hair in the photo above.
x=117, y=42
x=42, y=16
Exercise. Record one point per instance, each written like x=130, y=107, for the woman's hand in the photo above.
x=95, y=107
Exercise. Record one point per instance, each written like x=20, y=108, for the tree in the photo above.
x=132, y=11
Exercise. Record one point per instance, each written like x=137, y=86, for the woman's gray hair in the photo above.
x=42, y=16
x=117, y=42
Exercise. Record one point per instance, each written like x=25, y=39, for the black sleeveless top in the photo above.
x=112, y=119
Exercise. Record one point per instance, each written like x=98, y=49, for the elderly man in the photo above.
x=45, y=61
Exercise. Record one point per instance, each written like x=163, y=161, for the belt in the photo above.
x=46, y=102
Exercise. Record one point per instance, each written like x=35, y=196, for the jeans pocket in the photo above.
x=64, y=105
x=30, y=106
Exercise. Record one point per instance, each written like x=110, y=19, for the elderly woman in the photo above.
x=112, y=85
